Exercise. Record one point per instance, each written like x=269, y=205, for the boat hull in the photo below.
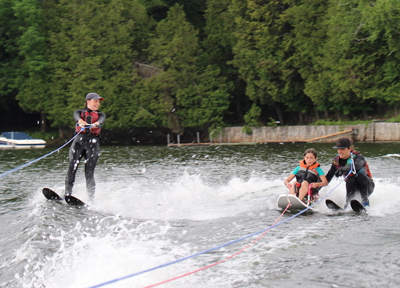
x=20, y=140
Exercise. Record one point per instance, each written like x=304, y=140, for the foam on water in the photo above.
x=191, y=196
x=142, y=219
x=97, y=252
x=187, y=197
x=93, y=252
x=384, y=200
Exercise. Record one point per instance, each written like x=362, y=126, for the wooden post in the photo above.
x=198, y=137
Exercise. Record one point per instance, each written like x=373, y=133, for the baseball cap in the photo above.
x=94, y=96
x=342, y=143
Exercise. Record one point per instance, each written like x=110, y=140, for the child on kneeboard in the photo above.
x=307, y=173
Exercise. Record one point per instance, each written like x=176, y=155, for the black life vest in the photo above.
x=353, y=154
x=308, y=173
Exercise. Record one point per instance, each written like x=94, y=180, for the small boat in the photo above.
x=19, y=140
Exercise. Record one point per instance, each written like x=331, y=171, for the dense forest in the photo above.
x=197, y=65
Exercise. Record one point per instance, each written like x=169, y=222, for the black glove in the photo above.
x=339, y=172
x=342, y=170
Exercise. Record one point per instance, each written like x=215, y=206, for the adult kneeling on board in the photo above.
x=353, y=166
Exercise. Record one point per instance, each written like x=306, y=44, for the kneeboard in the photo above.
x=71, y=200
x=295, y=203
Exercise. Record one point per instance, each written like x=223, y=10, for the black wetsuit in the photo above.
x=85, y=145
x=360, y=182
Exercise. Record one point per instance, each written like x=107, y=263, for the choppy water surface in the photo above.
x=155, y=205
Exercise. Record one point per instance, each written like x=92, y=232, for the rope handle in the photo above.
x=352, y=166
x=83, y=126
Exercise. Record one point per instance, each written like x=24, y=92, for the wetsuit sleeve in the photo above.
x=331, y=173
x=359, y=163
x=102, y=118
x=77, y=114
x=296, y=170
x=320, y=171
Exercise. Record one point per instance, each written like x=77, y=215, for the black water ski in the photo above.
x=71, y=200
x=332, y=205
x=354, y=204
x=357, y=206
x=51, y=195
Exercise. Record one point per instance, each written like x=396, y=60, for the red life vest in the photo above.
x=94, y=116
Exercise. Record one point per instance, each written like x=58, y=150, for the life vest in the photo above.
x=308, y=173
x=353, y=154
x=89, y=117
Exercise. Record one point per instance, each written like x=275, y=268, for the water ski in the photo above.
x=295, y=203
x=50, y=194
x=332, y=205
x=71, y=200
x=357, y=206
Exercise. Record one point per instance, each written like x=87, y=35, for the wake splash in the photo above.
x=383, y=200
x=139, y=224
x=189, y=196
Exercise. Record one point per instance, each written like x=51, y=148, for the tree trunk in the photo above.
x=317, y=115
x=42, y=122
x=279, y=113
x=301, y=119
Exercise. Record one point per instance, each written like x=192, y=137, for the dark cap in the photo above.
x=342, y=143
x=94, y=96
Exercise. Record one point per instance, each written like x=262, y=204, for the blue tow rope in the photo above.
x=220, y=246
x=2, y=175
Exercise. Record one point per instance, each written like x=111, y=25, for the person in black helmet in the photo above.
x=349, y=160
x=87, y=144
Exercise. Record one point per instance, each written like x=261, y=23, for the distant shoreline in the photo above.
x=372, y=132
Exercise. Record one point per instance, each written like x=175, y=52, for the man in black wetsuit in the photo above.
x=360, y=178
x=87, y=144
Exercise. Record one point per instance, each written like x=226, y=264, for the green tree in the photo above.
x=194, y=9
x=309, y=34
x=381, y=21
x=94, y=45
x=218, y=42
x=186, y=92
x=348, y=69
x=263, y=55
x=32, y=77
x=10, y=60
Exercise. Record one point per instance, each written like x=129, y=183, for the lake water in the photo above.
x=157, y=205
